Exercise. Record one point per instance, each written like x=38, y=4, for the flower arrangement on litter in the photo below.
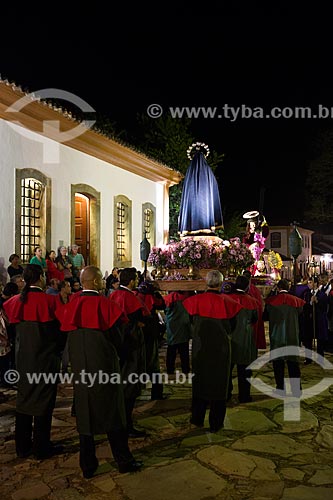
x=159, y=256
x=202, y=253
x=274, y=260
x=175, y=276
x=238, y=255
x=258, y=245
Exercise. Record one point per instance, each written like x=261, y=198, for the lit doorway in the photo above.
x=85, y=222
x=82, y=224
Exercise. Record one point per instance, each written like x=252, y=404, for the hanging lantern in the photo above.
x=144, y=249
x=295, y=243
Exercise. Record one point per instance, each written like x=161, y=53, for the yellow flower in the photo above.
x=274, y=260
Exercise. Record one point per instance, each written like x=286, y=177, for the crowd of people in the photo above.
x=64, y=316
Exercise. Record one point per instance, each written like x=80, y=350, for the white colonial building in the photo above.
x=278, y=240
x=81, y=188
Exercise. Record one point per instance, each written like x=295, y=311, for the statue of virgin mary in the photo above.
x=200, y=208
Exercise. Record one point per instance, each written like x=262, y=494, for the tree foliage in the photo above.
x=319, y=181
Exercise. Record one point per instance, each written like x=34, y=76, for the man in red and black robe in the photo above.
x=152, y=301
x=38, y=346
x=259, y=326
x=243, y=345
x=213, y=315
x=131, y=351
x=178, y=331
x=91, y=322
x=283, y=311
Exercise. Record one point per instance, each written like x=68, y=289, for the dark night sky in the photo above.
x=120, y=66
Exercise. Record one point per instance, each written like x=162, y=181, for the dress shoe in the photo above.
x=24, y=454
x=89, y=473
x=279, y=392
x=132, y=466
x=48, y=452
x=135, y=433
x=245, y=400
x=194, y=426
x=307, y=361
x=159, y=398
x=213, y=430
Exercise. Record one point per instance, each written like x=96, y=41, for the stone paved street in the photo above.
x=258, y=455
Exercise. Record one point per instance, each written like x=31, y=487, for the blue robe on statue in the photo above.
x=200, y=207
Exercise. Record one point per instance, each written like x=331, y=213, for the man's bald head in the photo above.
x=91, y=278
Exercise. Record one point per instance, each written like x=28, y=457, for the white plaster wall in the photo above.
x=73, y=167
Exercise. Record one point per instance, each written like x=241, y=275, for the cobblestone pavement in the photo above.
x=258, y=455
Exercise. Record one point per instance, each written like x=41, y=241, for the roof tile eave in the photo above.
x=91, y=142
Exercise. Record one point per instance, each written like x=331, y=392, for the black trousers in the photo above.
x=244, y=387
x=119, y=446
x=216, y=413
x=294, y=372
x=5, y=364
x=321, y=344
x=34, y=438
x=129, y=407
x=184, y=355
x=156, y=390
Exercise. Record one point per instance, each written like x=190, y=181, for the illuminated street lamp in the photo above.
x=327, y=259
x=314, y=268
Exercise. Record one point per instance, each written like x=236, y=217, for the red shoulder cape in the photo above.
x=175, y=297
x=255, y=292
x=212, y=305
x=147, y=301
x=285, y=299
x=127, y=301
x=88, y=311
x=245, y=300
x=38, y=307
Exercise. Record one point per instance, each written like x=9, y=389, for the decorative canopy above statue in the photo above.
x=200, y=207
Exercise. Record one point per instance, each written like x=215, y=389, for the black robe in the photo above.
x=38, y=346
x=152, y=302
x=211, y=350
x=91, y=321
x=133, y=351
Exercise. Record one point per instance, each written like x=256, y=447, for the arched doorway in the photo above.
x=82, y=236
x=85, y=222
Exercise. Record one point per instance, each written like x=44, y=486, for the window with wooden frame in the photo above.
x=122, y=231
x=276, y=240
x=148, y=223
x=32, y=212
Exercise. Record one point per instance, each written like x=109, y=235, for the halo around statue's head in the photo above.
x=197, y=147
x=251, y=215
